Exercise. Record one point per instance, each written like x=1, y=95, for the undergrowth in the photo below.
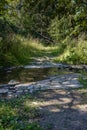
x=23, y=50
x=75, y=53
x=16, y=115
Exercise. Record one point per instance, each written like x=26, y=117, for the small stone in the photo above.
x=9, y=71
x=31, y=90
x=3, y=91
x=19, y=91
x=30, y=87
x=13, y=82
x=10, y=93
x=26, y=91
x=11, y=88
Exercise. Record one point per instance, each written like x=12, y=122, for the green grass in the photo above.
x=23, y=50
x=16, y=115
x=74, y=53
x=83, y=82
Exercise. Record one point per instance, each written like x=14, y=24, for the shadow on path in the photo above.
x=62, y=110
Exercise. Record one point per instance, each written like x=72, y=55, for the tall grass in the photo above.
x=75, y=52
x=23, y=50
x=15, y=115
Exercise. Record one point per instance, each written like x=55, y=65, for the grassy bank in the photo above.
x=23, y=113
x=19, y=114
x=74, y=53
x=23, y=50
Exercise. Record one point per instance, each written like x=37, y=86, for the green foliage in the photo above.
x=10, y=111
x=75, y=53
x=59, y=28
x=58, y=21
x=83, y=80
x=22, y=51
x=78, y=54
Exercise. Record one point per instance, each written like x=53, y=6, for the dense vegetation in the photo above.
x=27, y=27
x=37, y=28
x=19, y=114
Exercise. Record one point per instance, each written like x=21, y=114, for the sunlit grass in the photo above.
x=75, y=53
x=36, y=44
x=15, y=115
x=25, y=49
x=62, y=57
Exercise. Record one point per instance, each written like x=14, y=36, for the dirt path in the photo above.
x=62, y=109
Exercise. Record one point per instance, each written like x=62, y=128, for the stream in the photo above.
x=21, y=80
x=30, y=74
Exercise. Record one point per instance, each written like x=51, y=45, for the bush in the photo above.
x=75, y=52
x=10, y=111
x=59, y=28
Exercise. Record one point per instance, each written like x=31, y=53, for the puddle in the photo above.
x=29, y=75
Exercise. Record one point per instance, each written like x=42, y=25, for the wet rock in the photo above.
x=85, y=67
x=11, y=88
x=64, y=81
x=31, y=91
x=25, y=91
x=3, y=91
x=19, y=92
x=9, y=71
x=13, y=82
x=3, y=85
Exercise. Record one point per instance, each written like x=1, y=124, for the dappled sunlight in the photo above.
x=31, y=103
x=59, y=108
x=36, y=43
x=43, y=65
x=63, y=56
x=14, y=114
x=62, y=108
x=82, y=107
x=27, y=49
x=71, y=55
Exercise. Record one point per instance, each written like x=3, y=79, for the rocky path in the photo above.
x=62, y=109
x=61, y=106
x=63, y=81
x=47, y=62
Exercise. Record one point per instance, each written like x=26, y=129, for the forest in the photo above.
x=27, y=27
x=43, y=64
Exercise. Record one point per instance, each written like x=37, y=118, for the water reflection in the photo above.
x=28, y=75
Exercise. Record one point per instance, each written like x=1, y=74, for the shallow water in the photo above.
x=29, y=75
